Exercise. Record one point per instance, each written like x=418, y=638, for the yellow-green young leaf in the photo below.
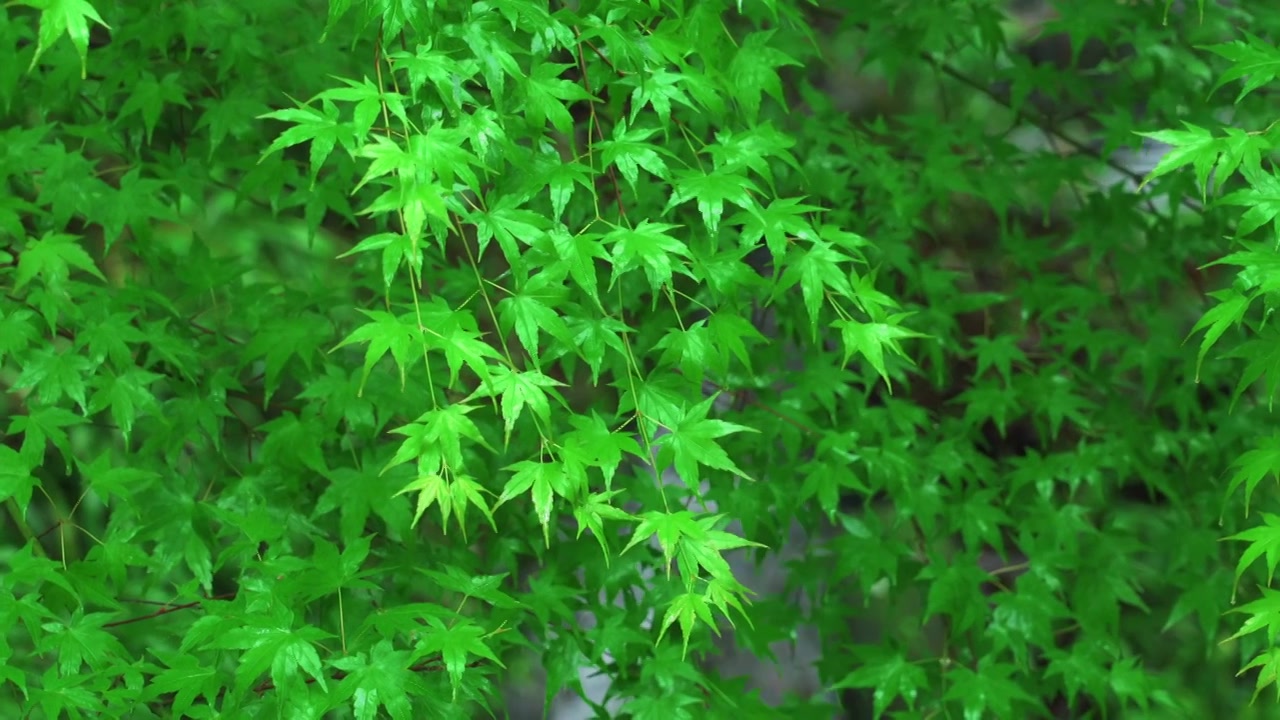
x=1254, y=61
x=817, y=269
x=1264, y=614
x=871, y=340
x=1264, y=540
x=431, y=489
x=726, y=593
x=1255, y=465
x=687, y=608
x=668, y=528
x=1229, y=311
x=543, y=481
x=69, y=17
x=530, y=311
x=1268, y=666
x=399, y=335
x=323, y=128
x=467, y=491
x=1262, y=200
x=1194, y=146
x=592, y=513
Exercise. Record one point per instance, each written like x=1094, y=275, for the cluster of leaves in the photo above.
x=344, y=348
x=1236, y=166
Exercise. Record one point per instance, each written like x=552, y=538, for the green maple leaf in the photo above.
x=731, y=334
x=543, y=481
x=816, y=270
x=1253, y=466
x=520, y=390
x=871, y=340
x=438, y=432
x=1229, y=312
x=55, y=373
x=490, y=47
x=629, y=150
x=649, y=246
x=1262, y=199
x=1255, y=61
x=694, y=350
x=356, y=493
x=455, y=643
x=1083, y=667
x=323, y=128
x=484, y=587
x=109, y=338
x=52, y=257
x=752, y=149
x=59, y=695
x=592, y=513
x=1242, y=150
x=992, y=691
x=591, y=443
x=593, y=337
x=16, y=480
x=128, y=394
x=17, y=331
x=547, y=95
x=1263, y=356
x=399, y=335
x=396, y=248
x=1194, y=146
x=380, y=678
x=274, y=645
x=186, y=677
x=442, y=151
x=692, y=442
x=687, y=608
x=370, y=103
x=528, y=313
x=562, y=180
x=1264, y=540
x=1264, y=614
x=668, y=528
x=443, y=71
x=954, y=591
x=451, y=495
x=149, y=95
x=658, y=89
x=64, y=17
x=890, y=674
x=577, y=253
x=754, y=72
x=279, y=339
x=1268, y=665
x=293, y=442
x=1001, y=352
x=81, y=641
x=711, y=191
x=455, y=335
x=333, y=570
x=781, y=219
x=43, y=424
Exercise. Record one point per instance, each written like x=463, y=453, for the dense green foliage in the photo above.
x=349, y=353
